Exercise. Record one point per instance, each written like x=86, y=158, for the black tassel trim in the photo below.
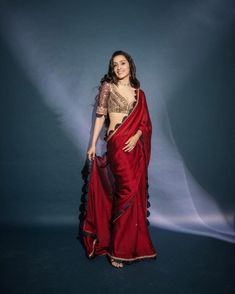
x=148, y=203
x=147, y=185
x=85, y=172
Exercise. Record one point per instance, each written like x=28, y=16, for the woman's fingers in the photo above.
x=131, y=142
x=125, y=148
x=128, y=148
x=128, y=145
x=91, y=155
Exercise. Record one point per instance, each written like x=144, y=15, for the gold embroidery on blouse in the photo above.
x=110, y=100
x=118, y=103
x=101, y=110
x=103, y=99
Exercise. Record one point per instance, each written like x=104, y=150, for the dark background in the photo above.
x=184, y=52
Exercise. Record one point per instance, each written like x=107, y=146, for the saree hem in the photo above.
x=153, y=256
x=127, y=260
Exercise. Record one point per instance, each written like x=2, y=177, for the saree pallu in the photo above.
x=115, y=219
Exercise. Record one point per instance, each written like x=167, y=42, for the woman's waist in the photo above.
x=116, y=119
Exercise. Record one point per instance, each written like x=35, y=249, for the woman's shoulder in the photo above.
x=106, y=84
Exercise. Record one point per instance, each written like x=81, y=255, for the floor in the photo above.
x=51, y=260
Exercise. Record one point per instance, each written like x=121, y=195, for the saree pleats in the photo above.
x=116, y=215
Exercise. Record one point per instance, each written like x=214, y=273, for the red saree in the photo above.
x=115, y=219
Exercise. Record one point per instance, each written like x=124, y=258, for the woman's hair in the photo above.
x=111, y=77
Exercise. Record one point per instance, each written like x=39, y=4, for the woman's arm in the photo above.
x=96, y=131
x=138, y=133
x=101, y=113
x=99, y=122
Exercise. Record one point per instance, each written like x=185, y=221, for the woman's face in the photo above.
x=121, y=67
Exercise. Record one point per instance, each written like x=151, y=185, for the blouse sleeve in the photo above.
x=102, y=106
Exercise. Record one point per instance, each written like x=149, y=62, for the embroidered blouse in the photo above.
x=110, y=100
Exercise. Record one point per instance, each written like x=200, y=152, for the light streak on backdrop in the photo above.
x=178, y=202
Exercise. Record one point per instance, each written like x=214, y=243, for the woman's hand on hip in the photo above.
x=91, y=152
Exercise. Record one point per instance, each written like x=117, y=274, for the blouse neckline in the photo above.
x=129, y=103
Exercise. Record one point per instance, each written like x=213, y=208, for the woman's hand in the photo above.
x=131, y=142
x=91, y=152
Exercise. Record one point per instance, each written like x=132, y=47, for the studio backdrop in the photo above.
x=53, y=55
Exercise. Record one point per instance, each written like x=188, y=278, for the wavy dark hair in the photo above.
x=111, y=77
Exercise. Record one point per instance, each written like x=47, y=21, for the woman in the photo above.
x=115, y=220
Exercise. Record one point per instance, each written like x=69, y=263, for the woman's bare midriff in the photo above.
x=115, y=118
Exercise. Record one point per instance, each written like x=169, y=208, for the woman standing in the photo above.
x=115, y=220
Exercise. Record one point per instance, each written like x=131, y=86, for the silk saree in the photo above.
x=115, y=218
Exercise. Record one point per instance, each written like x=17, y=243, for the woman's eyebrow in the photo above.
x=120, y=61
